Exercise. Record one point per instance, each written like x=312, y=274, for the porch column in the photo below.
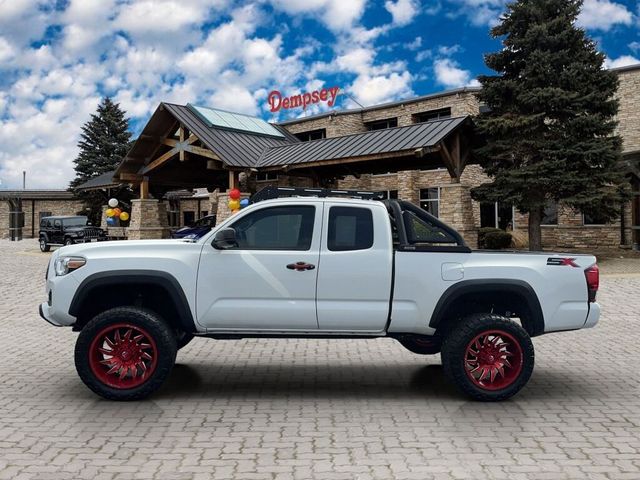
x=456, y=210
x=148, y=220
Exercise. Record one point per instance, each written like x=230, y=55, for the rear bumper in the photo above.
x=593, y=316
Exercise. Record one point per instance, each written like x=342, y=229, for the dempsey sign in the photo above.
x=277, y=101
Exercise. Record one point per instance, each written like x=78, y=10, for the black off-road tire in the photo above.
x=68, y=241
x=457, y=341
x=159, y=331
x=44, y=246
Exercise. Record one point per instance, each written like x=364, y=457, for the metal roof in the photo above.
x=106, y=180
x=235, y=148
x=38, y=194
x=421, y=135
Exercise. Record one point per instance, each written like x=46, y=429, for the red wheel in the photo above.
x=125, y=353
x=493, y=360
x=488, y=357
x=123, y=356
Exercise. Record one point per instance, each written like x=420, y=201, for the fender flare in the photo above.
x=132, y=277
x=523, y=289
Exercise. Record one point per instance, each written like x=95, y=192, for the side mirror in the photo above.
x=89, y=224
x=225, y=239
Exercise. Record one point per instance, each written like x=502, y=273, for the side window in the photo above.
x=57, y=223
x=277, y=228
x=422, y=231
x=350, y=229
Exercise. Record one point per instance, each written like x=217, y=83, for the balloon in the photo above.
x=110, y=212
x=124, y=216
x=111, y=221
x=244, y=202
x=234, y=205
x=113, y=203
x=234, y=194
x=116, y=212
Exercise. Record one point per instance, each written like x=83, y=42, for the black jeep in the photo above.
x=67, y=231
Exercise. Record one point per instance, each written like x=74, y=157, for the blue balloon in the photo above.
x=111, y=221
x=244, y=202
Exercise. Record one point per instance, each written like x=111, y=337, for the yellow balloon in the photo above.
x=110, y=212
x=234, y=205
x=124, y=216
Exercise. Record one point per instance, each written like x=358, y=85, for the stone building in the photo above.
x=36, y=204
x=419, y=149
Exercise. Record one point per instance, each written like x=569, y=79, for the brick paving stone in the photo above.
x=306, y=409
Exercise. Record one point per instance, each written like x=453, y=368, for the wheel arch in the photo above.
x=159, y=291
x=485, y=296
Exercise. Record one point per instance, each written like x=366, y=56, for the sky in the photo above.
x=59, y=58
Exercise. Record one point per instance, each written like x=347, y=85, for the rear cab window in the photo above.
x=350, y=228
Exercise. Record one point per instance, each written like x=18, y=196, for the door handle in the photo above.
x=300, y=266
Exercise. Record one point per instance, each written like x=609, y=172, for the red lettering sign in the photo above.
x=277, y=101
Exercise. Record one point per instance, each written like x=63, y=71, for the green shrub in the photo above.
x=483, y=232
x=497, y=240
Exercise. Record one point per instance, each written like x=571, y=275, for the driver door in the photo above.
x=256, y=285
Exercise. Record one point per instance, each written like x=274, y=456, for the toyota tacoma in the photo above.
x=316, y=264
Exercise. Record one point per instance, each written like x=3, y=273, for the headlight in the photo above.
x=65, y=265
x=80, y=234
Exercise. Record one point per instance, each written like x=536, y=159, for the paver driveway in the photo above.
x=282, y=409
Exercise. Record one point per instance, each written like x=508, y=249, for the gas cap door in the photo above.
x=452, y=271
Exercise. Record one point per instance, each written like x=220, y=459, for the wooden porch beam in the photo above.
x=449, y=162
x=160, y=160
x=144, y=188
x=130, y=177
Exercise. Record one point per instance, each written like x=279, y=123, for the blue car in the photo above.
x=198, y=229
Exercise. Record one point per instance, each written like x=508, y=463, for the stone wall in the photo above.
x=629, y=111
x=461, y=103
x=32, y=210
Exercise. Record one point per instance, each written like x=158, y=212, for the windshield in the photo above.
x=75, y=222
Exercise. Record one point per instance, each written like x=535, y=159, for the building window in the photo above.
x=496, y=215
x=44, y=214
x=382, y=124
x=189, y=218
x=389, y=194
x=430, y=200
x=204, y=213
x=173, y=212
x=312, y=135
x=431, y=115
x=593, y=219
x=266, y=176
x=550, y=214
x=350, y=229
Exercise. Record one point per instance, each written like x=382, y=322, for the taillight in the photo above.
x=592, y=275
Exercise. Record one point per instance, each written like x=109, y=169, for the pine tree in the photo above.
x=550, y=125
x=103, y=143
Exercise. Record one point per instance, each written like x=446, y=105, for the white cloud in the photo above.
x=402, y=11
x=415, y=44
x=337, y=15
x=603, y=14
x=634, y=46
x=370, y=90
x=480, y=13
x=622, y=61
x=449, y=74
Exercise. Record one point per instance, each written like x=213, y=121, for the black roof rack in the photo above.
x=268, y=193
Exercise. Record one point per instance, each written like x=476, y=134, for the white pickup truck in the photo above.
x=321, y=266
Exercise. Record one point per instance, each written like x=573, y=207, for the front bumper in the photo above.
x=45, y=313
x=593, y=316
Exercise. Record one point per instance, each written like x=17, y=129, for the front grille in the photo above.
x=91, y=233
